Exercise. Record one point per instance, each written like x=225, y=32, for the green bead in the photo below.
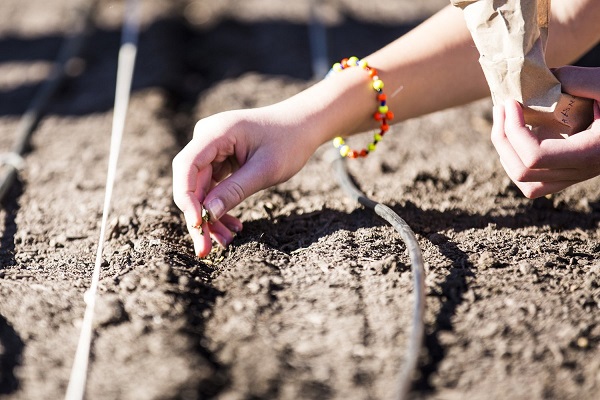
x=371, y=147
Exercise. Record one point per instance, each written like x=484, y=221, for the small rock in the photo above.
x=253, y=287
x=487, y=260
x=165, y=272
x=129, y=282
x=109, y=310
x=582, y=342
x=183, y=280
x=525, y=267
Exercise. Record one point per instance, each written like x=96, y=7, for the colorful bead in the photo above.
x=344, y=150
x=338, y=141
x=377, y=84
x=382, y=114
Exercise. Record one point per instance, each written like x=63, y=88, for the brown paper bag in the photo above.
x=511, y=38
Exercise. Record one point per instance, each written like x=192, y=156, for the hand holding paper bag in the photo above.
x=511, y=38
x=536, y=160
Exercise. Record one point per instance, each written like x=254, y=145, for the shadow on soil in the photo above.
x=11, y=345
x=12, y=350
x=289, y=233
x=10, y=205
x=182, y=59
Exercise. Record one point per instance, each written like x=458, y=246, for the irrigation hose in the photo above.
x=126, y=63
x=12, y=162
x=415, y=341
x=318, y=47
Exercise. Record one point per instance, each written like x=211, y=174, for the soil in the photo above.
x=313, y=299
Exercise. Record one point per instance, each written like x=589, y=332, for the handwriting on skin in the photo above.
x=566, y=110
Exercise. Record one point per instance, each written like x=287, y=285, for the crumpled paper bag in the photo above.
x=511, y=38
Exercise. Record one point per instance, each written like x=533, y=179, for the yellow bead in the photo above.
x=337, y=67
x=377, y=84
x=338, y=141
x=352, y=61
x=371, y=147
x=344, y=150
x=383, y=109
x=363, y=64
x=377, y=137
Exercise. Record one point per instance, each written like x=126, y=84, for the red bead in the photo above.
x=389, y=115
x=363, y=153
x=381, y=97
x=344, y=63
x=378, y=116
x=372, y=72
x=385, y=127
x=352, y=154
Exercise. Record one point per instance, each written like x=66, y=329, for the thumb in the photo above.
x=230, y=192
x=580, y=81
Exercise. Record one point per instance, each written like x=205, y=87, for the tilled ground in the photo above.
x=313, y=300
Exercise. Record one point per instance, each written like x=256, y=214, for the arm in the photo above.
x=436, y=64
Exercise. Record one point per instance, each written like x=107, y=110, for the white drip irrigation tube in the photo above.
x=126, y=62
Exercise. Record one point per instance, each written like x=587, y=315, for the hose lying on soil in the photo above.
x=12, y=162
x=418, y=271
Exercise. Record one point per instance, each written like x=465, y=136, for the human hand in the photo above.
x=231, y=156
x=538, y=162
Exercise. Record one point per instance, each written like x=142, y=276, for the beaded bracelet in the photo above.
x=382, y=114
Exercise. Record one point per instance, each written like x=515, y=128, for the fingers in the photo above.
x=580, y=81
x=232, y=223
x=540, y=150
x=201, y=239
x=221, y=233
x=191, y=176
x=520, y=150
x=534, y=190
x=193, y=171
x=249, y=179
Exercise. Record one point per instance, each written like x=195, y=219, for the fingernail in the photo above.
x=215, y=208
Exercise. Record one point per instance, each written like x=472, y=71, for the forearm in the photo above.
x=573, y=30
x=436, y=65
